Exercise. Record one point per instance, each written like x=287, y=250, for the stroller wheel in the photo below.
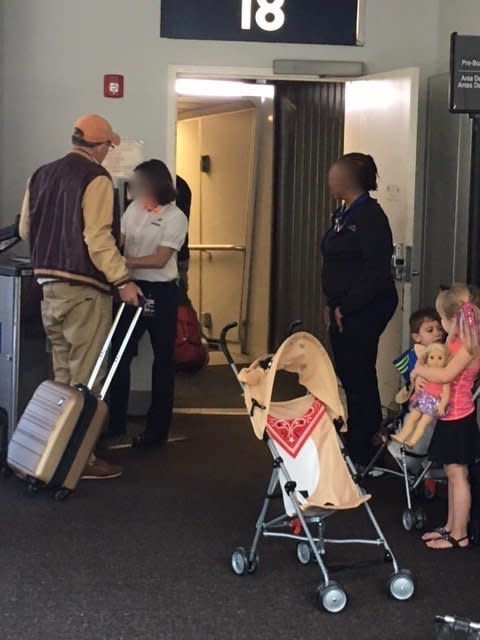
x=332, y=598
x=401, y=585
x=241, y=565
x=253, y=565
x=420, y=518
x=408, y=519
x=304, y=553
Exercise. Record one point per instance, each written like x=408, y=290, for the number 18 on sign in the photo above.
x=269, y=15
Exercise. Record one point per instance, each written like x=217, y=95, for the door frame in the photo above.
x=221, y=73
x=410, y=288
x=262, y=73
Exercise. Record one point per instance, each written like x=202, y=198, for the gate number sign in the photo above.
x=297, y=21
x=269, y=15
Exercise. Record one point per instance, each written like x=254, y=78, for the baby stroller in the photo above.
x=310, y=465
x=411, y=466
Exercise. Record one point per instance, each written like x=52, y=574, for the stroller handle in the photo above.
x=294, y=326
x=223, y=341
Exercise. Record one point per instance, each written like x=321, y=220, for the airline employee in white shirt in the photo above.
x=153, y=231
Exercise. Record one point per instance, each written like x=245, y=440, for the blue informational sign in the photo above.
x=332, y=22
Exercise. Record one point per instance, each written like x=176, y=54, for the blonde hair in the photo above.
x=436, y=346
x=449, y=302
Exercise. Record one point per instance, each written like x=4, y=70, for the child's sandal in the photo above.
x=453, y=542
x=439, y=532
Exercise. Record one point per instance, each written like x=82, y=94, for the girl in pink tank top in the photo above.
x=461, y=399
x=456, y=440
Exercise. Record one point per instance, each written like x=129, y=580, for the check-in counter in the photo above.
x=24, y=361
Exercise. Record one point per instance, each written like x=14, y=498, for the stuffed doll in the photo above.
x=427, y=404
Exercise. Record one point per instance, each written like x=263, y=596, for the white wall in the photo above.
x=56, y=52
x=462, y=16
x=225, y=192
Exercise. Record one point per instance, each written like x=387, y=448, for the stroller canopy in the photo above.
x=302, y=354
x=303, y=428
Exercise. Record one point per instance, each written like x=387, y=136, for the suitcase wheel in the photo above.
x=62, y=494
x=6, y=472
x=33, y=485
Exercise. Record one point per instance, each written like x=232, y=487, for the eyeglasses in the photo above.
x=107, y=142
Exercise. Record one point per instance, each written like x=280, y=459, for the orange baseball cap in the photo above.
x=96, y=130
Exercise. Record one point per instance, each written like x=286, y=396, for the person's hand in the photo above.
x=130, y=294
x=327, y=316
x=442, y=408
x=419, y=383
x=339, y=319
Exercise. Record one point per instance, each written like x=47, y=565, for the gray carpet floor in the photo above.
x=147, y=556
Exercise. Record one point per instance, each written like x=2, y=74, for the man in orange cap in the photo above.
x=69, y=219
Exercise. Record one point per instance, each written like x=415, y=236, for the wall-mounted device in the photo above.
x=402, y=262
x=205, y=164
x=113, y=86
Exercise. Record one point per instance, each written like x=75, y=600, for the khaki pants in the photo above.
x=77, y=320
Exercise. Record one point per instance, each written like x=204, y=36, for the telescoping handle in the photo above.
x=121, y=350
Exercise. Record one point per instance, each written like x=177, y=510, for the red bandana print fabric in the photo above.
x=292, y=434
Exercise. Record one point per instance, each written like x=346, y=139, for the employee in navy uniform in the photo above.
x=153, y=231
x=360, y=292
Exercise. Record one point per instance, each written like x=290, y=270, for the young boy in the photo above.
x=425, y=329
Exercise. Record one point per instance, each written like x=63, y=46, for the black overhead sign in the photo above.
x=465, y=74
x=296, y=21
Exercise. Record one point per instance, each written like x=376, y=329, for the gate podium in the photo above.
x=24, y=361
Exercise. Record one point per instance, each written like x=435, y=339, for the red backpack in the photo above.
x=191, y=351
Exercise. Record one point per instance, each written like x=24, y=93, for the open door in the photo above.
x=381, y=119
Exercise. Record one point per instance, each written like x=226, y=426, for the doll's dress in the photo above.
x=427, y=400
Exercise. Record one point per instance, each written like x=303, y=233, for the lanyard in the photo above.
x=340, y=216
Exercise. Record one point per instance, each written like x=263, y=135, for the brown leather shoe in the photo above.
x=101, y=470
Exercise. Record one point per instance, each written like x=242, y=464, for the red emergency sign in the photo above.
x=113, y=85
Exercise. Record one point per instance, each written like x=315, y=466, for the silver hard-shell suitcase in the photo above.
x=60, y=426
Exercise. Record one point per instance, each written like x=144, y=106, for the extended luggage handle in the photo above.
x=121, y=350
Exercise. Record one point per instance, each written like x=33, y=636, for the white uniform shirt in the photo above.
x=145, y=232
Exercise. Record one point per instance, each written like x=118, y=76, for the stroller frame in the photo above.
x=413, y=517
x=330, y=595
